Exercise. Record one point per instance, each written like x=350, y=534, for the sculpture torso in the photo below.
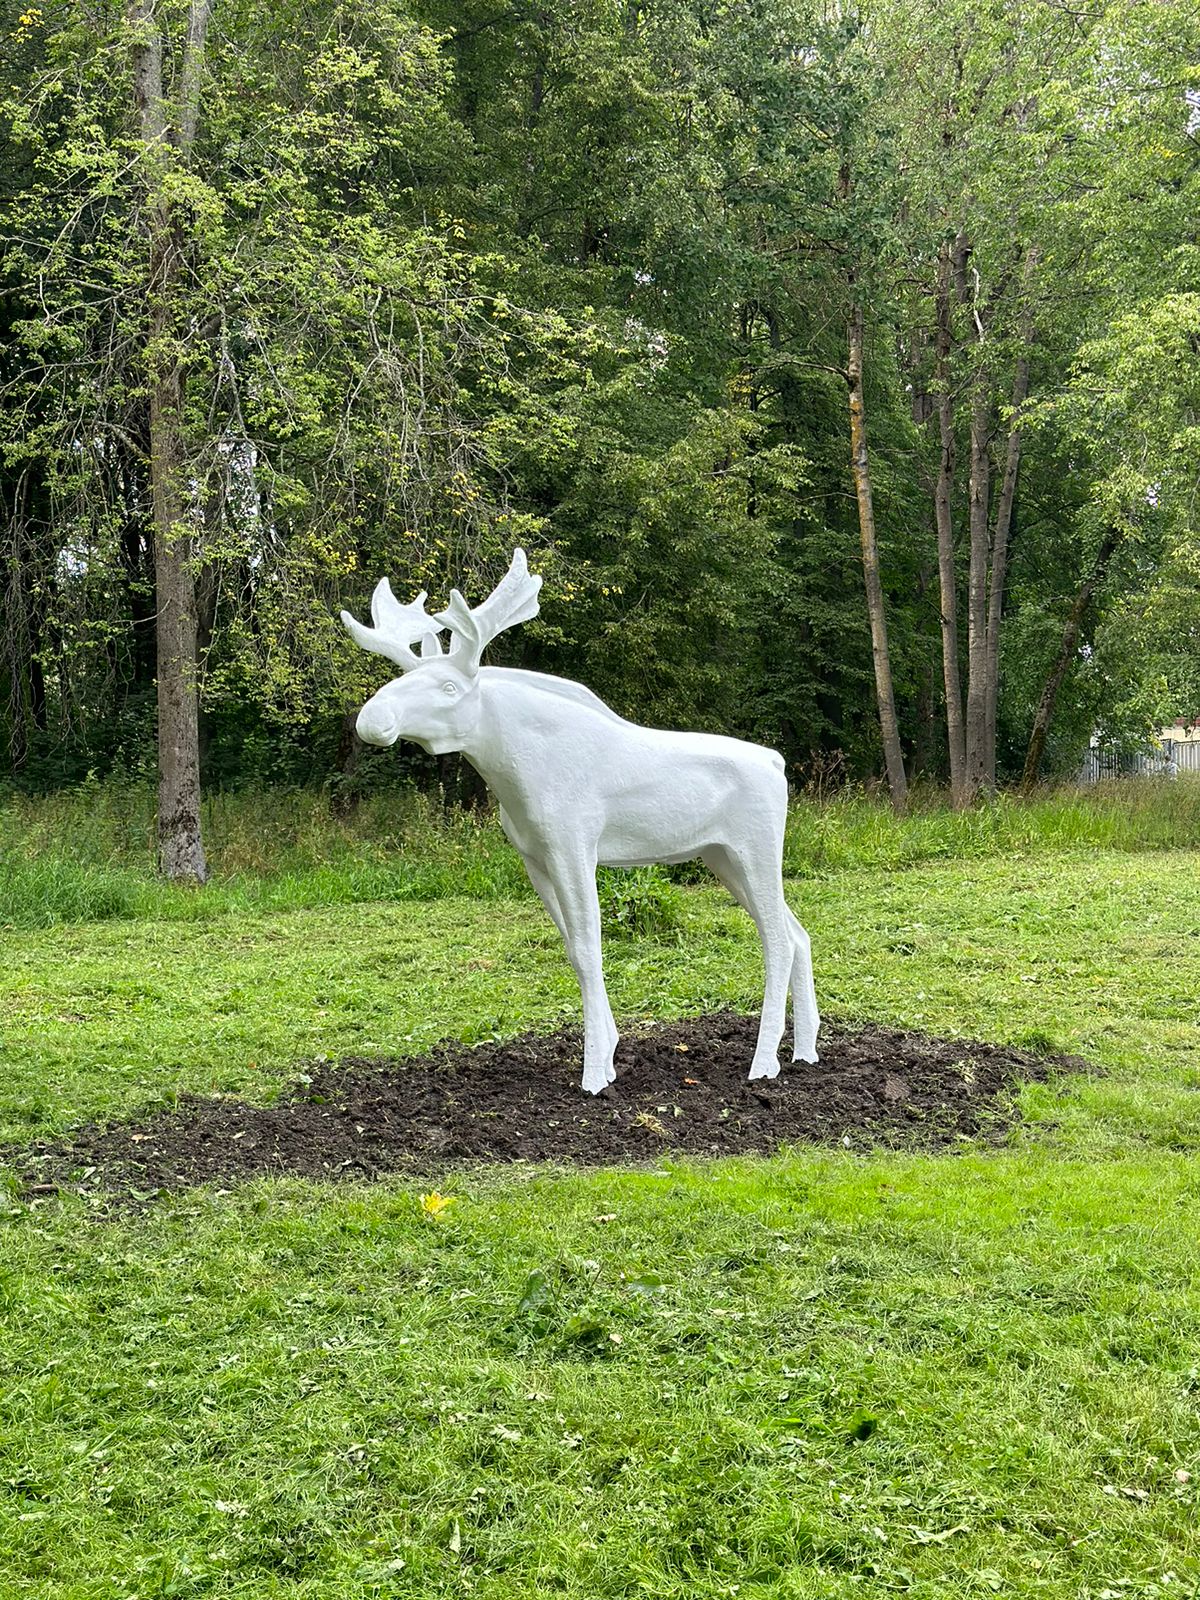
x=545, y=745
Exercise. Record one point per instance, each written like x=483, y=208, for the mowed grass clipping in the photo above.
x=815, y=1375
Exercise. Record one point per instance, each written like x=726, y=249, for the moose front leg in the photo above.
x=568, y=891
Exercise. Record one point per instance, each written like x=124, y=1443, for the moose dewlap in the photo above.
x=579, y=787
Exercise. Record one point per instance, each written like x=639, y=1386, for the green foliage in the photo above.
x=90, y=855
x=855, y=832
x=578, y=277
x=639, y=903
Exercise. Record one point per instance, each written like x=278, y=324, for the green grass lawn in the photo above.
x=818, y=1375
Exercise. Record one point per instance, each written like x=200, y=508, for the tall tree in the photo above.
x=854, y=86
x=168, y=134
x=949, y=269
x=885, y=695
x=241, y=344
x=1002, y=526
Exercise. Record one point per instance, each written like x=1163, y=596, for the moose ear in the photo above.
x=431, y=645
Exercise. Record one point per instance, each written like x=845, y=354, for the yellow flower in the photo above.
x=434, y=1204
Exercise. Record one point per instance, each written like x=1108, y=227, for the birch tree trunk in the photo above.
x=947, y=579
x=180, y=848
x=1003, y=526
x=860, y=460
x=977, y=584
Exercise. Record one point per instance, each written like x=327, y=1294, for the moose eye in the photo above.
x=450, y=688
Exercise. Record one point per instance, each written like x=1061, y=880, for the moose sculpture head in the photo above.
x=579, y=787
x=438, y=706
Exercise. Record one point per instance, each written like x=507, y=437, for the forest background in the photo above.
x=837, y=364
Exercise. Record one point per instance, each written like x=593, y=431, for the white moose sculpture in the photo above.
x=578, y=787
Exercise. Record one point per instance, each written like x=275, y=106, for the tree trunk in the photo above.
x=1003, y=525
x=947, y=578
x=180, y=849
x=136, y=551
x=884, y=692
x=979, y=493
x=14, y=631
x=1066, y=652
x=1004, y=508
x=343, y=796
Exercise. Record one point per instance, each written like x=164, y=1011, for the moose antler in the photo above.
x=396, y=628
x=513, y=600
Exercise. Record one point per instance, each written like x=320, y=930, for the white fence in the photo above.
x=1166, y=760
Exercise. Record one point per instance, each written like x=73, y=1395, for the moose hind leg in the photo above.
x=760, y=892
x=806, y=1020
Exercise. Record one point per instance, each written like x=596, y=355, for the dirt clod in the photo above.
x=681, y=1087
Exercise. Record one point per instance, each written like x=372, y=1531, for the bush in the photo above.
x=640, y=903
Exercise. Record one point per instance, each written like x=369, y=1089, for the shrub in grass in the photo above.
x=47, y=891
x=639, y=903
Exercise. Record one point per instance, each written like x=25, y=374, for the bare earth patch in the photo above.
x=681, y=1089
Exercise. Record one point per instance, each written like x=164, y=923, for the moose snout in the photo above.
x=377, y=725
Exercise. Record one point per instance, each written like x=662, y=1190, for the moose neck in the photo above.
x=525, y=731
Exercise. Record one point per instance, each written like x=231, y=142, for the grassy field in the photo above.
x=87, y=855
x=819, y=1375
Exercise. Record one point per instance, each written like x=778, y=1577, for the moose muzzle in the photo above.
x=377, y=724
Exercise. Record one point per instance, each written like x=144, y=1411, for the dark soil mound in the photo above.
x=681, y=1088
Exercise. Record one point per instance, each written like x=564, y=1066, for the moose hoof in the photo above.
x=597, y=1078
x=764, y=1069
x=806, y=1053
